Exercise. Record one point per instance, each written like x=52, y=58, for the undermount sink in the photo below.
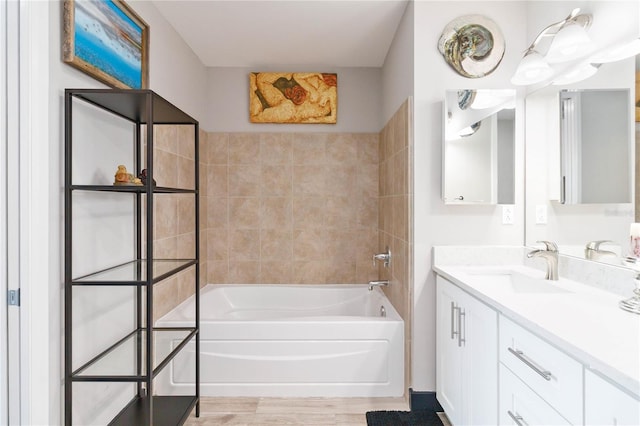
x=517, y=282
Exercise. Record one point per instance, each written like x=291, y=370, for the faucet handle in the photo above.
x=550, y=246
x=386, y=257
x=595, y=245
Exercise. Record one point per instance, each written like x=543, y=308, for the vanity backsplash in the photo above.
x=611, y=278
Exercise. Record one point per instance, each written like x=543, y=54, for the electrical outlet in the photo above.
x=541, y=214
x=507, y=214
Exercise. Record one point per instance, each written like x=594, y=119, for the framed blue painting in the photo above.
x=107, y=40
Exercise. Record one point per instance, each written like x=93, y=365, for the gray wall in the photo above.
x=359, y=101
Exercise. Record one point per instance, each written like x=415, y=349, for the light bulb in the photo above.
x=576, y=74
x=532, y=69
x=617, y=53
x=571, y=42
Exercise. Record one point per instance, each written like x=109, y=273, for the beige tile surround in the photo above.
x=174, y=215
x=295, y=208
x=395, y=217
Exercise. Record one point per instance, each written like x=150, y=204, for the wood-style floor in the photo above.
x=291, y=411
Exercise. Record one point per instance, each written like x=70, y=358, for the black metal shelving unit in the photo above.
x=143, y=108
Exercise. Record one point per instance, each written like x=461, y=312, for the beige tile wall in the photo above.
x=395, y=217
x=174, y=215
x=296, y=208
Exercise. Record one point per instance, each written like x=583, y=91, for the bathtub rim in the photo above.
x=392, y=315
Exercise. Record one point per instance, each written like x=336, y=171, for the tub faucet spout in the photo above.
x=378, y=283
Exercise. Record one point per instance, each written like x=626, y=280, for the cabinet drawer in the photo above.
x=549, y=372
x=519, y=405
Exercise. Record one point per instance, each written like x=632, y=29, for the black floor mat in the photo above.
x=403, y=418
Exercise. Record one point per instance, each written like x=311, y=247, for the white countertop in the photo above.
x=585, y=322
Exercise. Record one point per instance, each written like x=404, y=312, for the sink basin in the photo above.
x=520, y=283
x=517, y=282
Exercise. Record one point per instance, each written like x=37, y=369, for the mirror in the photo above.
x=478, y=147
x=573, y=226
x=601, y=208
x=595, y=146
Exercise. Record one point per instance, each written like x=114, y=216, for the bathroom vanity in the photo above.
x=514, y=348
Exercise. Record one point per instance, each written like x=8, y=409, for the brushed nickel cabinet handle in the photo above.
x=454, y=308
x=522, y=357
x=462, y=325
x=517, y=418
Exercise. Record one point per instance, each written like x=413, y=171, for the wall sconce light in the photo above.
x=570, y=40
x=618, y=52
x=533, y=68
x=469, y=130
x=571, y=45
x=579, y=73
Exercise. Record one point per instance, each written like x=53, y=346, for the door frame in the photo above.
x=39, y=329
x=4, y=342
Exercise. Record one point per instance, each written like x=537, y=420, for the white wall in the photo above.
x=177, y=75
x=436, y=223
x=397, y=70
x=359, y=101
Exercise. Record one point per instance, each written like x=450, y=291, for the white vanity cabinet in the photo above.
x=467, y=357
x=606, y=404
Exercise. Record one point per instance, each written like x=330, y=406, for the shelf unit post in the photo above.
x=68, y=133
x=149, y=289
x=197, y=254
x=138, y=207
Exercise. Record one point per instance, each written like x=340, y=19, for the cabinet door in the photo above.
x=605, y=404
x=479, y=331
x=449, y=368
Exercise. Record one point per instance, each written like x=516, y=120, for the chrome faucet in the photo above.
x=592, y=250
x=386, y=257
x=550, y=254
x=379, y=283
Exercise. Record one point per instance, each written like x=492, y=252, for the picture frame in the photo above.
x=293, y=97
x=107, y=40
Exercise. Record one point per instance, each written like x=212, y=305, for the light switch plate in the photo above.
x=507, y=214
x=541, y=214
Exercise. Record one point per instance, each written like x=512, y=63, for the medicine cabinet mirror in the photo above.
x=478, y=147
x=595, y=146
x=580, y=167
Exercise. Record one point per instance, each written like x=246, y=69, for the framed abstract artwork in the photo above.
x=107, y=40
x=281, y=97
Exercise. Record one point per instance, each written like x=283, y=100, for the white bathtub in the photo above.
x=289, y=340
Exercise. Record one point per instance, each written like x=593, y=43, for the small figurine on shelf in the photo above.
x=122, y=177
x=143, y=178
